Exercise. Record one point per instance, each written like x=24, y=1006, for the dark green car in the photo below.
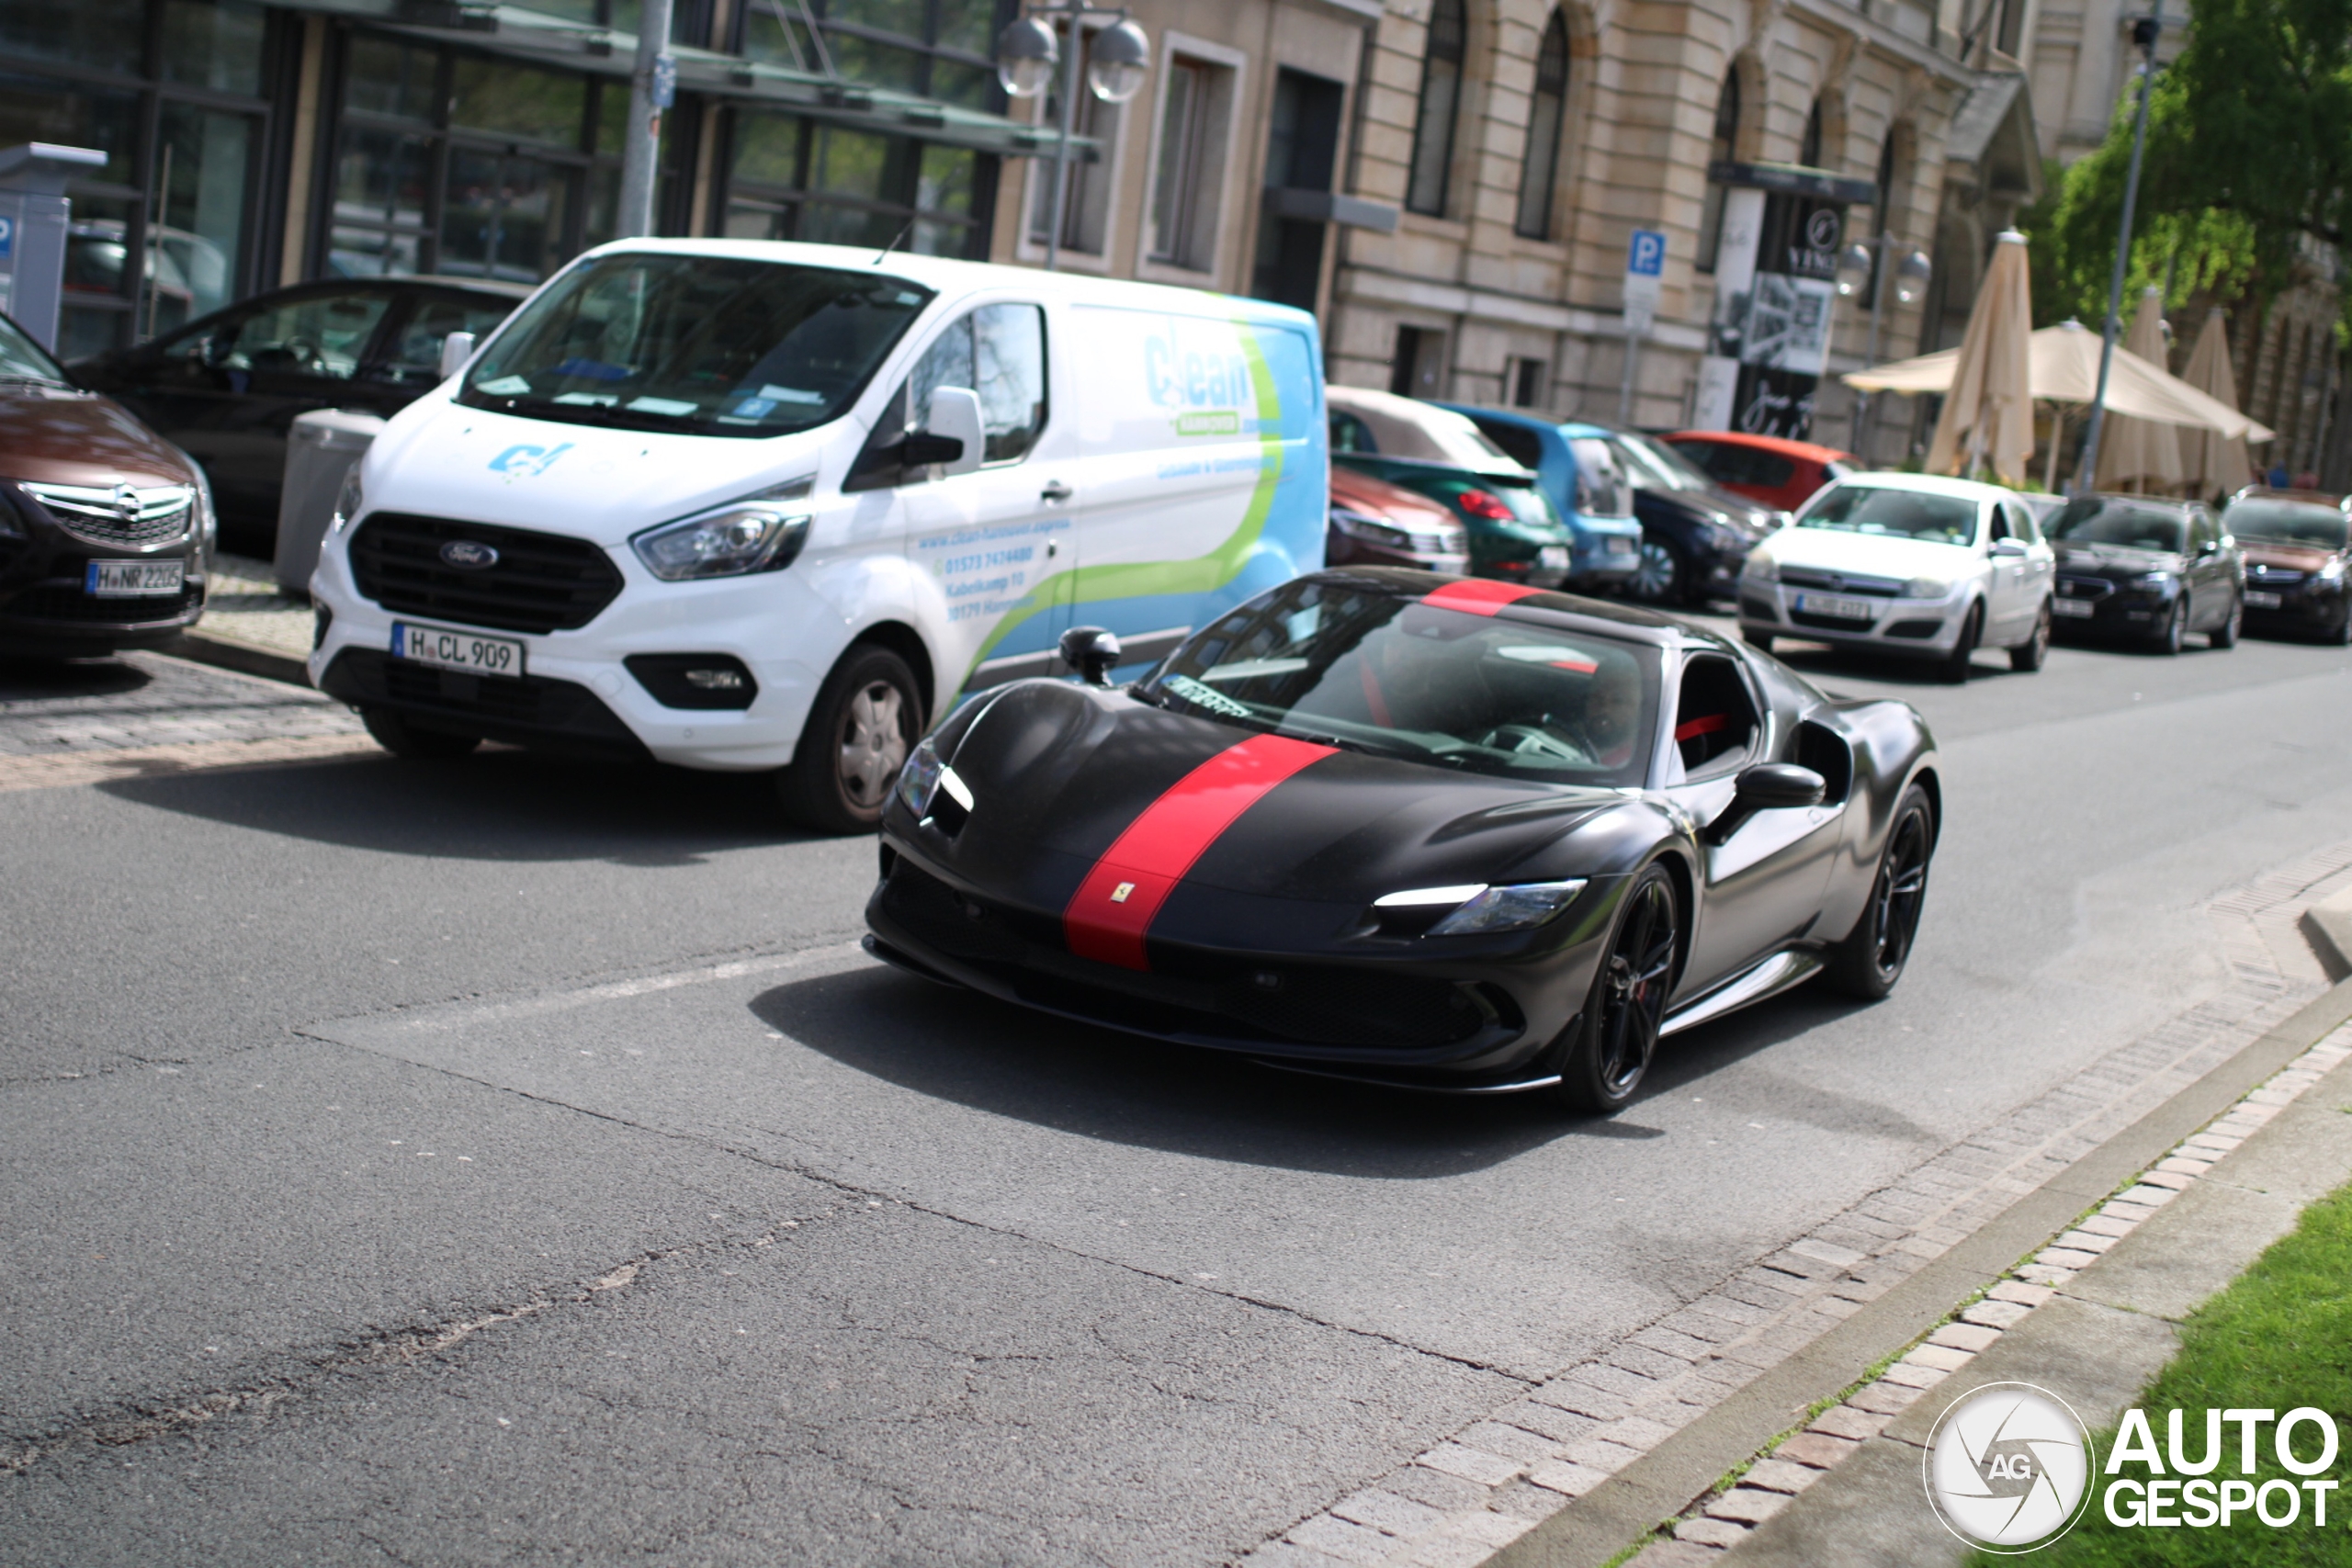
x=1515, y=533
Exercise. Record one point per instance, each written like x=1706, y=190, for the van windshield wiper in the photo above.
x=607, y=414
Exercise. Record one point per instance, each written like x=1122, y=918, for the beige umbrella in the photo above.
x=1988, y=414
x=2140, y=454
x=2064, y=370
x=2214, y=464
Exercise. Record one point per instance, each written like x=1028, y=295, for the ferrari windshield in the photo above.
x=1900, y=514
x=2088, y=520
x=2287, y=523
x=710, y=345
x=1371, y=671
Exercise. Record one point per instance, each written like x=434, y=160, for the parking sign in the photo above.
x=1645, y=268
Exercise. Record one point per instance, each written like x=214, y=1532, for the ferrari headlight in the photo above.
x=920, y=777
x=1925, y=588
x=1506, y=908
x=347, y=501
x=728, y=542
x=1762, y=568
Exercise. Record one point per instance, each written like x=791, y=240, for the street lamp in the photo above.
x=1026, y=53
x=1909, y=281
x=2145, y=33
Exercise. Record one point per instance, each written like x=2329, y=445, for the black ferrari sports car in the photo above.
x=1436, y=832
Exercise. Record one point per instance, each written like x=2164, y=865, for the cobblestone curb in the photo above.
x=1583, y=1449
x=67, y=767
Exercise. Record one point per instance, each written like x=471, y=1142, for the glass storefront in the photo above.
x=173, y=93
x=791, y=178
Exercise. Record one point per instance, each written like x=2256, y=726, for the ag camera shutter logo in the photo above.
x=2009, y=1468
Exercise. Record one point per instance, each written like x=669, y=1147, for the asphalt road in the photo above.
x=511, y=1160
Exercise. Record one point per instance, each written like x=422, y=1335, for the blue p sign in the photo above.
x=8, y=235
x=1646, y=256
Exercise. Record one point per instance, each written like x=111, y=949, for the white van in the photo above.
x=744, y=505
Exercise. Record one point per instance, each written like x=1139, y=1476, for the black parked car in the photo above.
x=2298, y=547
x=226, y=387
x=2145, y=569
x=1695, y=534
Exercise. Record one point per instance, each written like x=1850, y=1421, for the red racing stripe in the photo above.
x=1479, y=595
x=1113, y=907
x=1693, y=729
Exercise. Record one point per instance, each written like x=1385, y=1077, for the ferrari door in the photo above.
x=1764, y=882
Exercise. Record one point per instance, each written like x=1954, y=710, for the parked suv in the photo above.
x=106, y=532
x=1515, y=533
x=2146, y=568
x=2294, y=542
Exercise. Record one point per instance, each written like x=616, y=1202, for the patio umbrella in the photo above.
x=1988, y=414
x=2064, y=362
x=2141, y=454
x=2213, y=464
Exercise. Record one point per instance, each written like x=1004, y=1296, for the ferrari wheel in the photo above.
x=1610, y=1046
x=393, y=731
x=1870, y=960
x=865, y=720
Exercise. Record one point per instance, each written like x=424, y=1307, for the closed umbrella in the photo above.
x=2212, y=463
x=1988, y=414
x=2140, y=454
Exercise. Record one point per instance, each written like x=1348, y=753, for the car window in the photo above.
x=1404, y=677
x=22, y=358
x=2021, y=522
x=2000, y=528
x=996, y=351
x=1350, y=434
x=1714, y=718
x=1736, y=465
x=2098, y=520
x=1603, y=490
x=1887, y=511
x=415, y=353
x=318, y=334
x=1518, y=442
x=1673, y=470
x=2288, y=522
x=2201, y=531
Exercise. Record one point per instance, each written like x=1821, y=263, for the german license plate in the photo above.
x=2256, y=600
x=447, y=649
x=1554, y=559
x=2077, y=607
x=1838, y=606
x=133, y=578
x=1619, y=545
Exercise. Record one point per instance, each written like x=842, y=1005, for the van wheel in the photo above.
x=864, y=722
x=393, y=731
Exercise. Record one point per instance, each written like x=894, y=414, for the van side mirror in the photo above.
x=1766, y=786
x=456, y=349
x=1092, y=652
x=953, y=417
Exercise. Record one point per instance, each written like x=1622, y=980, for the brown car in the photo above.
x=106, y=529
x=1374, y=522
x=2298, y=548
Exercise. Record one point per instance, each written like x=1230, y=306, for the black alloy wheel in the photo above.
x=866, y=718
x=393, y=731
x=1870, y=960
x=1658, y=574
x=2226, y=633
x=1608, y=1049
x=2175, y=627
x=2030, y=655
x=1954, y=667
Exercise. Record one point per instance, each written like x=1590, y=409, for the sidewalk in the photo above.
x=249, y=625
x=2092, y=1318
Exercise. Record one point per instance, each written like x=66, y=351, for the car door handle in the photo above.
x=1056, y=491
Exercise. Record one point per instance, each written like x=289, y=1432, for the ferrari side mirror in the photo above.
x=1766, y=786
x=1092, y=652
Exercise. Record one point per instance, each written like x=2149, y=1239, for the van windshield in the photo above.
x=707, y=345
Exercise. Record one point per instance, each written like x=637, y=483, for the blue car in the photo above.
x=1576, y=468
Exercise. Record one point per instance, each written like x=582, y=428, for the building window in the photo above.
x=1086, y=209
x=1526, y=379
x=1539, y=172
x=1809, y=150
x=1187, y=185
x=1419, y=368
x=790, y=178
x=942, y=49
x=1883, y=211
x=1302, y=155
x=1722, y=150
x=1440, y=103
x=469, y=165
x=172, y=91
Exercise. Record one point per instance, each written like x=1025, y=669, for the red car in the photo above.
x=1374, y=522
x=1776, y=472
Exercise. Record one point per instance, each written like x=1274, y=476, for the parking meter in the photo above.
x=33, y=210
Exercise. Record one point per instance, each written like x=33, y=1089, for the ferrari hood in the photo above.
x=1065, y=779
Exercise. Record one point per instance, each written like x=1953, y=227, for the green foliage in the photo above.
x=2280, y=1336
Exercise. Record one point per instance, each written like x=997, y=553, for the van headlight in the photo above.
x=347, y=501
x=730, y=541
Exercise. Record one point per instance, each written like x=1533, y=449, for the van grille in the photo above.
x=540, y=583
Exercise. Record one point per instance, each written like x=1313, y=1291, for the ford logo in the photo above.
x=469, y=554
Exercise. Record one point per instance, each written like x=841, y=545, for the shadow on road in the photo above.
x=51, y=680
x=499, y=805
x=1098, y=1083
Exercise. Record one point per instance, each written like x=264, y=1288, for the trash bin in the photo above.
x=320, y=450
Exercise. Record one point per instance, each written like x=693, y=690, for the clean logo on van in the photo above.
x=1208, y=386
x=524, y=461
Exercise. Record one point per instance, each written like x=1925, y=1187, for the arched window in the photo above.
x=1539, y=172
x=1441, y=100
x=1809, y=151
x=1726, y=142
